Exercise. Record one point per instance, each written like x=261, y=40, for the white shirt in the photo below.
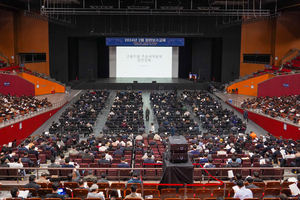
x=15, y=165
x=243, y=193
x=102, y=148
x=108, y=157
x=152, y=129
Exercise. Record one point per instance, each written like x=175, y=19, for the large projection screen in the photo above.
x=143, y=62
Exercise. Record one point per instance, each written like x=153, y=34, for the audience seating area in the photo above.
x=293, y=64
x=286, y=107
x=271, y=70
x=126, y=114
x=212, y=115
x=170, y=113
x=217, y=151
x=264, y=191
x=13, y=106
x=16, y=69
x=82, y=115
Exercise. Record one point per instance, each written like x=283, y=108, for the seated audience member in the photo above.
x=222, y=152
x=81, y=185
x=62, y=159
x=123, y=163
x=55, y=187
x=233, y=163
x=107, y=156
x=238, y=160
x=135, y=178
x=250, y=183
x=256, y=177
x=145, y=156
x=17, y=164
x=103, y=179
x=33, y=151
x=243, y=192
x=195, y=151
x=118, y=151
x=268, y=163
x=53, y=163
x=43, y=179
x=149, y=159
x=255, y=155
x=153, y=142
x=114, y=193
x=23, y=148
x=209, y=164
x=32, y=183
x=102, y=148
x=133, y=193
x=283, y=161
x=88, y=155
x=283, y=196
x=128, y=147
x=3, y=162
x=25, y=159
x=237, y=177
x=67, y=165
x=73, y=151
x=204, y=159
x=73, y=177
x=90, y=177
x=15, y=193
x=94, y=192
x=103, y=159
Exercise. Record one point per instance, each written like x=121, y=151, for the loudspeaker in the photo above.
x=178, y=157
x=135, y=82
x=161, y=88
x=129, y=88
x=178, y=144
x=153, y=81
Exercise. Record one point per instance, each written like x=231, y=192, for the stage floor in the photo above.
x=142, y=84
x=143, y=80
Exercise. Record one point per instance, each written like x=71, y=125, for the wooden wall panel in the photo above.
x=255, y=38
x=287, y=34
x=7, y=34
x=33, y=37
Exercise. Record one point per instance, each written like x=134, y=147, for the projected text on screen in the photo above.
x=144, y=62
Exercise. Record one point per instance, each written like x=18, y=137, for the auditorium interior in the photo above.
x=150, y=99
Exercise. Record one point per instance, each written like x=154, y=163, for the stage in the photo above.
x=141, y=84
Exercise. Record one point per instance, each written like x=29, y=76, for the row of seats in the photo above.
x=167, y=192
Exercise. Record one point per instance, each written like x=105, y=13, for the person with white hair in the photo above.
x=94, y=192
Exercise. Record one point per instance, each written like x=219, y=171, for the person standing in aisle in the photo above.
x=147, y=114
x=245, y=115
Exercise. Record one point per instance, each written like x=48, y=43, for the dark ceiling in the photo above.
x=35, y=5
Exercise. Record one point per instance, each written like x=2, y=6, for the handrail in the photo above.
x=135, y=169
x=259, y=111
x=31, y=114
x=7, y=60
x=291, y=51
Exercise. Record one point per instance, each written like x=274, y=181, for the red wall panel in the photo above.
x=22, y=130
x=279, y=85
x=275, y=127
x=17, y=85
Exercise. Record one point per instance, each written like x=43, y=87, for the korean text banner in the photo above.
x=144, y=41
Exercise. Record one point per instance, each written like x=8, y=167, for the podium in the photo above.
x=192, y=77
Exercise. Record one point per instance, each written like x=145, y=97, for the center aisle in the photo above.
x=103, y=117
x=147, y=104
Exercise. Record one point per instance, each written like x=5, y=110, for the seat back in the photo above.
x=71, y=185
x=81, y=193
